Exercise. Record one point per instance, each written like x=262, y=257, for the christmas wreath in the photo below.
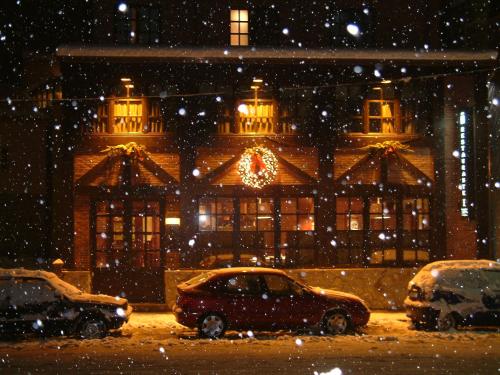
x=258, y=167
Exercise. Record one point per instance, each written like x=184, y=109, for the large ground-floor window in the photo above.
x=256, y=230
x=382, y=230
x=132, y=232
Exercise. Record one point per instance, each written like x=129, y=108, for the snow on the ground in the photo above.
x=154, y=343
x=155, y=328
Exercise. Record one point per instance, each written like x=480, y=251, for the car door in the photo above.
x=241, y=296
x=290, y=305
x=36, y=303
x=7, y=311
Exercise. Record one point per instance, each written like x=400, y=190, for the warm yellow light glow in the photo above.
x=172, y=221
x=377, y=88
x=257, y=80
x=124, y=79
x=385, y=81
x=243, y=108
x=258, y=167
x=130, y=86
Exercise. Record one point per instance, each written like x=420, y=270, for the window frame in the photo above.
x=237, y=38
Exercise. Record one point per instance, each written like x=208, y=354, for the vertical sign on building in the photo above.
x=464, y=156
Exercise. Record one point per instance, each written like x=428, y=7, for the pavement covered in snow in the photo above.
x=155, y=343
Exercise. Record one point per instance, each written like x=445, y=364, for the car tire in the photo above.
x=336, y=323
x=212, y=325
x=92, y=328
x=446, y=323
x=417, y=325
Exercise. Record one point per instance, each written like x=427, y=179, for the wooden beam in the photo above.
x=221, y=170
x=159, y=172
x=92, y=173
x=411, y=167
x=361, y=162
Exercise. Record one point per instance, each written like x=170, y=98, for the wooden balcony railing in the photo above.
x=261, y=119
x=129, y=116
x=256, y=119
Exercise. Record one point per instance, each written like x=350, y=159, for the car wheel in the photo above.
x=417, y=325
x=212, y=326
x=92, y=329
x=446, y=323
x=336, y=323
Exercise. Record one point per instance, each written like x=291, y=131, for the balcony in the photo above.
x=259, y=117
x=125, y=116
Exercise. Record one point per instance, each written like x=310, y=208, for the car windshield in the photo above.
x=64, y=287
x=198, y=279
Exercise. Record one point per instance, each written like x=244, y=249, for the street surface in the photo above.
x=153, y=343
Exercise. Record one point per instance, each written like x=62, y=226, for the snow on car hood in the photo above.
x=336, y=294
x=76, y=295
x=97, y=299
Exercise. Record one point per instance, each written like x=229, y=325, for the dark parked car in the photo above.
x=39, y=301
x=263, y=298
x=450, y=293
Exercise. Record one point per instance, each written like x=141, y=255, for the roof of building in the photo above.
x=268, y=54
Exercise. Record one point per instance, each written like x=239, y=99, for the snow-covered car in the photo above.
x=263, y=298
x=39, y=301
x=447, y=294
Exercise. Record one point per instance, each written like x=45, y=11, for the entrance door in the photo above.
x=127, y=257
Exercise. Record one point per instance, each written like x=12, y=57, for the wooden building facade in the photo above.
x=262, y=143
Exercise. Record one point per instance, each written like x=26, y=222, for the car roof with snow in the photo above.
x=23, y=272
x=462, y=264
x=253, y=270
x=447, y=272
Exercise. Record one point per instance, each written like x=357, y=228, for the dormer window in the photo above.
x=381, y=116
x=384, y=109
x=239, y=27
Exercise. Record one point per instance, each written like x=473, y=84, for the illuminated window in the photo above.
x=239, y=27
x=216, y=214
x=381, y=116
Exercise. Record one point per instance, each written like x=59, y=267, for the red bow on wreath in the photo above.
x=257, y=164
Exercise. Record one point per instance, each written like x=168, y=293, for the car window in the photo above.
x=26, y=291
x=280, y=285
x=242, y=284
x=470, y=279
x=4, y=291
x=198, y=279
x=493, y=278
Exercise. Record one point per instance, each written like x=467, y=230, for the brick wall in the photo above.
x=81, y=232
x=460, y=231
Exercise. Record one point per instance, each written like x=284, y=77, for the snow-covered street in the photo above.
x=155, y=343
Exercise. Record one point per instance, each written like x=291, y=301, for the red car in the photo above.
x=263, y=298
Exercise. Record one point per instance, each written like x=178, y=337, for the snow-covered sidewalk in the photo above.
x=154, y=343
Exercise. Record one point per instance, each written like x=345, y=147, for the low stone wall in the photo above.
x=381, y=288
x=81, y=279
